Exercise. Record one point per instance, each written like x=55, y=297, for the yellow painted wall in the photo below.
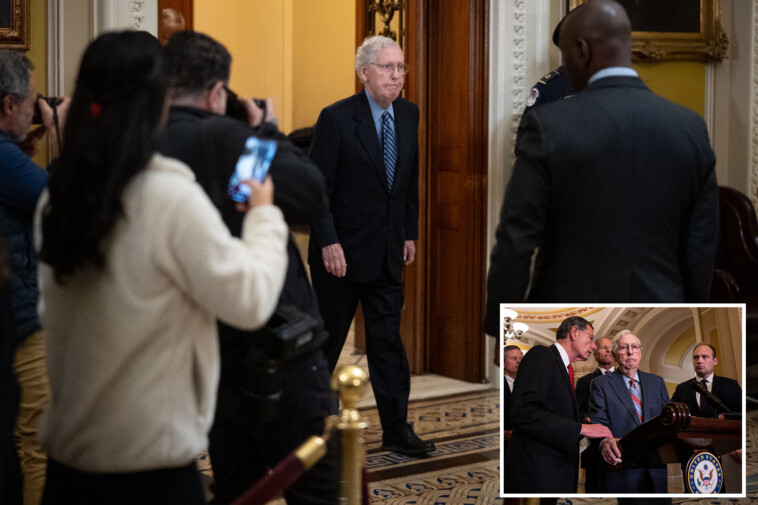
x=324, y=54
x=299, y=52
x=682, y=82
x=38, y=55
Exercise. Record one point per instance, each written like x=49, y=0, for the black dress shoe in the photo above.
x=403, y=440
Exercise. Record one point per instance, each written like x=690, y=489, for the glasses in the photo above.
x=388, y=68
x=633, y=347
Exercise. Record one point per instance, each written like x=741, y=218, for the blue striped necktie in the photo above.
x=390, y=147
x=636, y=398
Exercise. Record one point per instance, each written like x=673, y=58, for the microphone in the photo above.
x=712, y=399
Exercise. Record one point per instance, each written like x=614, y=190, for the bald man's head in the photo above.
x=597, y=36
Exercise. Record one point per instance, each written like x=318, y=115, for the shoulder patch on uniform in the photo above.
x=534, y=94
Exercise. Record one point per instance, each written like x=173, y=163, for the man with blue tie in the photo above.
x=623, y=400
x=367, y=148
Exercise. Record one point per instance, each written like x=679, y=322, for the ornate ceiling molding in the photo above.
x=554, y=315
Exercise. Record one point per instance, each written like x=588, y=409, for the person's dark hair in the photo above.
x=194, y=63
x=111, y=133
x=565, y=328
x=701, y=344
x=14, y=74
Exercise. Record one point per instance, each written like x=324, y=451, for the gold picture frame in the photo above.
x=675, y=29
x=14, y=24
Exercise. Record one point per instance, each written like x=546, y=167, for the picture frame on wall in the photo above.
x=675, y=29
x=14, y=24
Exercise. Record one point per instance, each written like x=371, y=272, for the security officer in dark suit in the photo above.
x=553, y=85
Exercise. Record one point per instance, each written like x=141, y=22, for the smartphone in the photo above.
x=253, y=163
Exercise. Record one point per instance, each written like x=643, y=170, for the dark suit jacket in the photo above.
x=507, y=425
x=543, y=455
x=611, y=405
x=725, y=389
x=583, y=393
x=369, y=220
x=616, y=186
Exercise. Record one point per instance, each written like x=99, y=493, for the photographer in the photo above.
x=269, y=402
x=21, y=183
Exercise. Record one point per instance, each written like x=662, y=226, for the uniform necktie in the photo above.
x=703, y=400
x=571, y=376
x=390, y=147
x=636, y=398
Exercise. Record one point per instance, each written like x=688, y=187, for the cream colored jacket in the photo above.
x=132, y=348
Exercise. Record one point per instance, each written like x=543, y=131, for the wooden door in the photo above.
x=457, y=186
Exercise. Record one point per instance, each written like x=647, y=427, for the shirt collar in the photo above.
x=377, y=110
x=604, y=371
x=636, y=379
x=612, y=72
x=563, y=353
x=709, y=378
x=510, y=381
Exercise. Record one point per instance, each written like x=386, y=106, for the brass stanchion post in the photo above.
x=351, y=382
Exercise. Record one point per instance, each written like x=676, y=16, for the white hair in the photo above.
x=615, y=341
x=366, y=53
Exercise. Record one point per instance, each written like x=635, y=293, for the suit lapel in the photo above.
x=620, y=388
x=649, y=397
x=566, y=379
x=403, y=129
x=367, y=135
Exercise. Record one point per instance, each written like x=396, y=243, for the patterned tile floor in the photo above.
x=464, y=470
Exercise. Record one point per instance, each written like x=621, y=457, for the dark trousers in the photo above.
x=242, y=453
x=382, y=302
x=170, y=486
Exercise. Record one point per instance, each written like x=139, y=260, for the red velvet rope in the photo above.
x=281, y=477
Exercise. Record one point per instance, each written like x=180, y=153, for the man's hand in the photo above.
x=257, y=115
x=587, y=420
x=31, y=142
x=596, y=431
x=48, y=119
x=507, y=434
x=409, y=251
x=334, y=260
x=609, y=448
x=736, y=455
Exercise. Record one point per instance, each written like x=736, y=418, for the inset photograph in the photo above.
x=624, y=400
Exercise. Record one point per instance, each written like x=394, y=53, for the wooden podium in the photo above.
x=676, y=434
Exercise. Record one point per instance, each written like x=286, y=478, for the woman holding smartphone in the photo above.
x=136, y=265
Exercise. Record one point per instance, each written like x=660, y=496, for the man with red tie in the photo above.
x=543, y=454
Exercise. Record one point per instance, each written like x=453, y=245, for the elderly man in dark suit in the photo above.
x=367, y=148
x=623, y=400
x=543, y=454
x=615, y=186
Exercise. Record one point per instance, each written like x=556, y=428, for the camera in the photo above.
x=52, y=101
x=235, y=108
x=257, y=397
